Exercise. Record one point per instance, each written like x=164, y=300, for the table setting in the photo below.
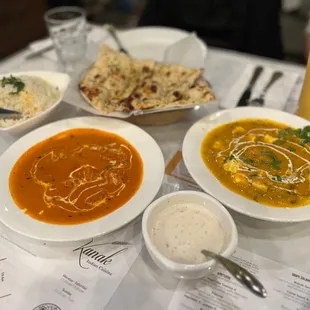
x=143, y=169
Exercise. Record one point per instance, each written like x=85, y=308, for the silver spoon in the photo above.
x=241, y=274
x=6, y=113
x=260, y=100
x=112, y=31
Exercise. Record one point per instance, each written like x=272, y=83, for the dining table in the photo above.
x=145, y=286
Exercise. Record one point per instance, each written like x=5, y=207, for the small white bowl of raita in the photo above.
x=177, y=226
x=33, y=94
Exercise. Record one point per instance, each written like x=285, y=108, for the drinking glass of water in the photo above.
x=67, y=28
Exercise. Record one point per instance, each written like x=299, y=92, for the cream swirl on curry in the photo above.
x=262, y=160
x=76, y=176
x=85, y=187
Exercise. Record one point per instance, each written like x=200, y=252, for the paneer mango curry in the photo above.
x=262, y=160
x=76, y=176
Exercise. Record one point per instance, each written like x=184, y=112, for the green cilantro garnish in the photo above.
x=275, y=163
x=249, y=161
x=301, y=133
x=292, y=149
x=16, y=82
x=279, y=142
x=232, y=156
x=277, y=178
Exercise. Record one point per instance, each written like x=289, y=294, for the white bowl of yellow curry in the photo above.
x=254, y=160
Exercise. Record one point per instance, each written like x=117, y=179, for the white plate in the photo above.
x=12, y=217
x=151, y=42
x=206, y=180
x=56, y=79
x=141, y=43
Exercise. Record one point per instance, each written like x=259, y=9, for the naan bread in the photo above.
x=173, y=75
x=198, y=93
x=148, y=99
x=112, y=79
x=170, y=86
x=117, y=82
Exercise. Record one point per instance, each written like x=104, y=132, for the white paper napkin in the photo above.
x=276, y=96
x=187, y=51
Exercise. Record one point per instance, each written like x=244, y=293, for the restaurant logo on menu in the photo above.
x=95, y=258
x=47, y=306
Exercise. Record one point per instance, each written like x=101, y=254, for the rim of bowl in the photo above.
x=172, y=265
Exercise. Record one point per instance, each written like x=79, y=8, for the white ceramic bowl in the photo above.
x=187, y=271
x=60, y=80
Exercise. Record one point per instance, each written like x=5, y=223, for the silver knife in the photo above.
x=40, y=51
x=244, y=99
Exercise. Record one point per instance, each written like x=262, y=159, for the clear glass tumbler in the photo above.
x=67, y=28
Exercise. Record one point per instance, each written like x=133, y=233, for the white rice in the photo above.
x=36, y=97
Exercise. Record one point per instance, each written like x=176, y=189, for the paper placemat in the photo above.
x=287, y=288
x=87, y=280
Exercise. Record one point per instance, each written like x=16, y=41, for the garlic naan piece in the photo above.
x=109, y=81
x=170, y=86
x=112, y=79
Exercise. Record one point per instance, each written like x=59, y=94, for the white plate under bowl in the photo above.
x=57, y=79
x=206, y=180
x=13, y=218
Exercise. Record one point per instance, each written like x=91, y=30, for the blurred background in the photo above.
x=21, y=22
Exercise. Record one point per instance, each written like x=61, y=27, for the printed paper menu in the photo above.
x=5, y=280
x=288, y=289
x=85, y=281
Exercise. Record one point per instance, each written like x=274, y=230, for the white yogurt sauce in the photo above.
x=181, y=231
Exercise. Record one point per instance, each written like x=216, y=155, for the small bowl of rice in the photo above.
x=34, y=94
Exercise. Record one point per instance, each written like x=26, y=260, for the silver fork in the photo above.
x=260, y=100
x=112, y=31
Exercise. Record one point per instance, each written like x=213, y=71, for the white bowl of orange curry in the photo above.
x=78, y=179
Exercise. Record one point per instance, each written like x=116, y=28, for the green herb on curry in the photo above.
x=301, y=133
x=275, y=163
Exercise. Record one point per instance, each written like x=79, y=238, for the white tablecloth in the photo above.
x=145, y=286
